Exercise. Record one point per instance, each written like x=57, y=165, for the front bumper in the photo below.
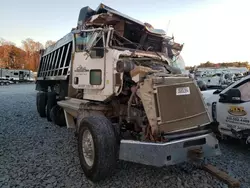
x=169, y=153
x=243, y=134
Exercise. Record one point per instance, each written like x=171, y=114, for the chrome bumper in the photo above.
x=169, y=153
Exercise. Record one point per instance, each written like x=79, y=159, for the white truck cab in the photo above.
x=230, y=109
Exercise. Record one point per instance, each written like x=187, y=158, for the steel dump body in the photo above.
x=55, y=61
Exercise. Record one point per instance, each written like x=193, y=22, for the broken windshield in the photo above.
x=84, y=41
x=179, y=62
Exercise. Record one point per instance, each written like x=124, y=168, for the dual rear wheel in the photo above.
x=46, y=103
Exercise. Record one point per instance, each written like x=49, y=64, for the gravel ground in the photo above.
x=36, y=153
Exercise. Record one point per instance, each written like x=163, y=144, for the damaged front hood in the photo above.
x=153, y=55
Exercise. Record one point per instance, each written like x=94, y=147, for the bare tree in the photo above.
x=32, y=49
x=49, y=43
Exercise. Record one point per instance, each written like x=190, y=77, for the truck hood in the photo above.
x=209, y=96
x=208, y=93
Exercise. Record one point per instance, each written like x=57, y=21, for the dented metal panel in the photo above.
x=102, y=7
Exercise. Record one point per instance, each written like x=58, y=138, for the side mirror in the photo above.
x=231, y=96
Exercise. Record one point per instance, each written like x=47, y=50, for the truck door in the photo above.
x=89, y=60
x=235, y=116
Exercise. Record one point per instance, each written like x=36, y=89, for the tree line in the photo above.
x=223, y=64
x=26, y=57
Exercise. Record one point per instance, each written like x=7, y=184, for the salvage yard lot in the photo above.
x=36, y=153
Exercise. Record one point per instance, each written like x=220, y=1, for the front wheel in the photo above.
x=97, y=147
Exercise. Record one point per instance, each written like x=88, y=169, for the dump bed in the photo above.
x=56, y=59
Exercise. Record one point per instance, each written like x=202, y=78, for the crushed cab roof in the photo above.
x=106, y=9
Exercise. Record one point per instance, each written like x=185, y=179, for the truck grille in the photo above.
x=178, y=111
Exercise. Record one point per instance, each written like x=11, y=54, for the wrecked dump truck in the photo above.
x=116, y=82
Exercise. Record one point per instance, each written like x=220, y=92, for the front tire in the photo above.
x=97, y=147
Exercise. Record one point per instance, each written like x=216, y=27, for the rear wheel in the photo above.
x=97, y=147
x=57, y=116
x=50, y=104
x=41, y=100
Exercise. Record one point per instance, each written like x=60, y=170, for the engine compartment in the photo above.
x=136, y=109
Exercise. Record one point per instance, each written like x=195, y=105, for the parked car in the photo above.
x=202, y=85
x=230, y=109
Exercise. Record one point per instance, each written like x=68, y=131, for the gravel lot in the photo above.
x=36, y=153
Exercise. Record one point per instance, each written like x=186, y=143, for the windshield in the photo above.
x=86, y=40
x=179, y=62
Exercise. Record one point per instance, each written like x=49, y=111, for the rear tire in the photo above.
x=51, y=102
x=41, y=100
x=57, y=116
x=104, y=147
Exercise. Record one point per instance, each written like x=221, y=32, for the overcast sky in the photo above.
x=212, y=30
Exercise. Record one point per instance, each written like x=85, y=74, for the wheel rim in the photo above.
x=88, y=148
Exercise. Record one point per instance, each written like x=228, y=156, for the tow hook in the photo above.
x=195, y=154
